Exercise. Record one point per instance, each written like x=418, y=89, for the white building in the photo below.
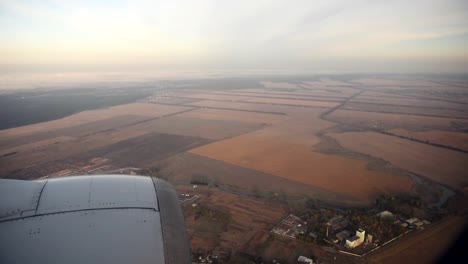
x=361, y=234
x=412, y=220
x=352, y=242
x=356, y=240
x=302, y=259
x=385, y=214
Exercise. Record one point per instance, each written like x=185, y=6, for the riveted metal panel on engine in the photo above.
x=97, y=219
x=19, y=198
x=95, y=192
x=92, y=236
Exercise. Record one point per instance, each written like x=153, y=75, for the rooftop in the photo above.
x=352, y=239
x=385, y=214
x=343, y=235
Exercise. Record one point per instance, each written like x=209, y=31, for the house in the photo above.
x=361, y=234
x=356, y=240
x=304, y=260
x=352, y=242
x=337, y=223
x=343, y=235
x=385, y=214
x=412, y=220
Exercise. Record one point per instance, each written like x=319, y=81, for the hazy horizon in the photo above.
x=241, y=36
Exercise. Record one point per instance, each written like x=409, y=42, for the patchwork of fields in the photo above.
x=262, y=140
x=271, y=129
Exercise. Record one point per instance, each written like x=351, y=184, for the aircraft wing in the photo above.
x=91, y=219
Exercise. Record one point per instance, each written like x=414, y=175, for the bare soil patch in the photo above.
x=394, y=82
x=171, y=100
x=329, y=82
x=287, y=95
x=199, y=127
x=12, y=166
x=78, y=131
x=224, y=222
x=184, y=167
x=447, y=138
x=279, y=85
x=424, y=246
x=140, y=109
x=249, y=106
x=441, y=165
x=145, y=150
x=232, y=115
x=35, y=145
x=398, y=109
x=293, y=102
x=412, y=102
x=386, y=121
x=208, y=96
x=298, y=163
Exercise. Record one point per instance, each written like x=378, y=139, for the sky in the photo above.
x=302, y=36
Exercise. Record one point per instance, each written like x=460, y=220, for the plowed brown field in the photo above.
x=452, y=139
x=398, y=109
x=135, y=109
x=292, y=102
x=374, y=120
x=297, y=162
x=232, y=115
x=209, y=96
x=422, y=246
x=280, y=85
x=439, y=164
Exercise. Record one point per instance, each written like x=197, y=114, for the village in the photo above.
x=355, y=232
x=339, y=231
x=352, y=232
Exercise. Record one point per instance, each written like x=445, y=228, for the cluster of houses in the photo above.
x=290, y=226
x=410, y=222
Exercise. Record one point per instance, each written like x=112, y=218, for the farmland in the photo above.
x=445, y=138
x=420, y=247
x=258, y=149
x=296, y=162
x=377, y=120
x=416, y=157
